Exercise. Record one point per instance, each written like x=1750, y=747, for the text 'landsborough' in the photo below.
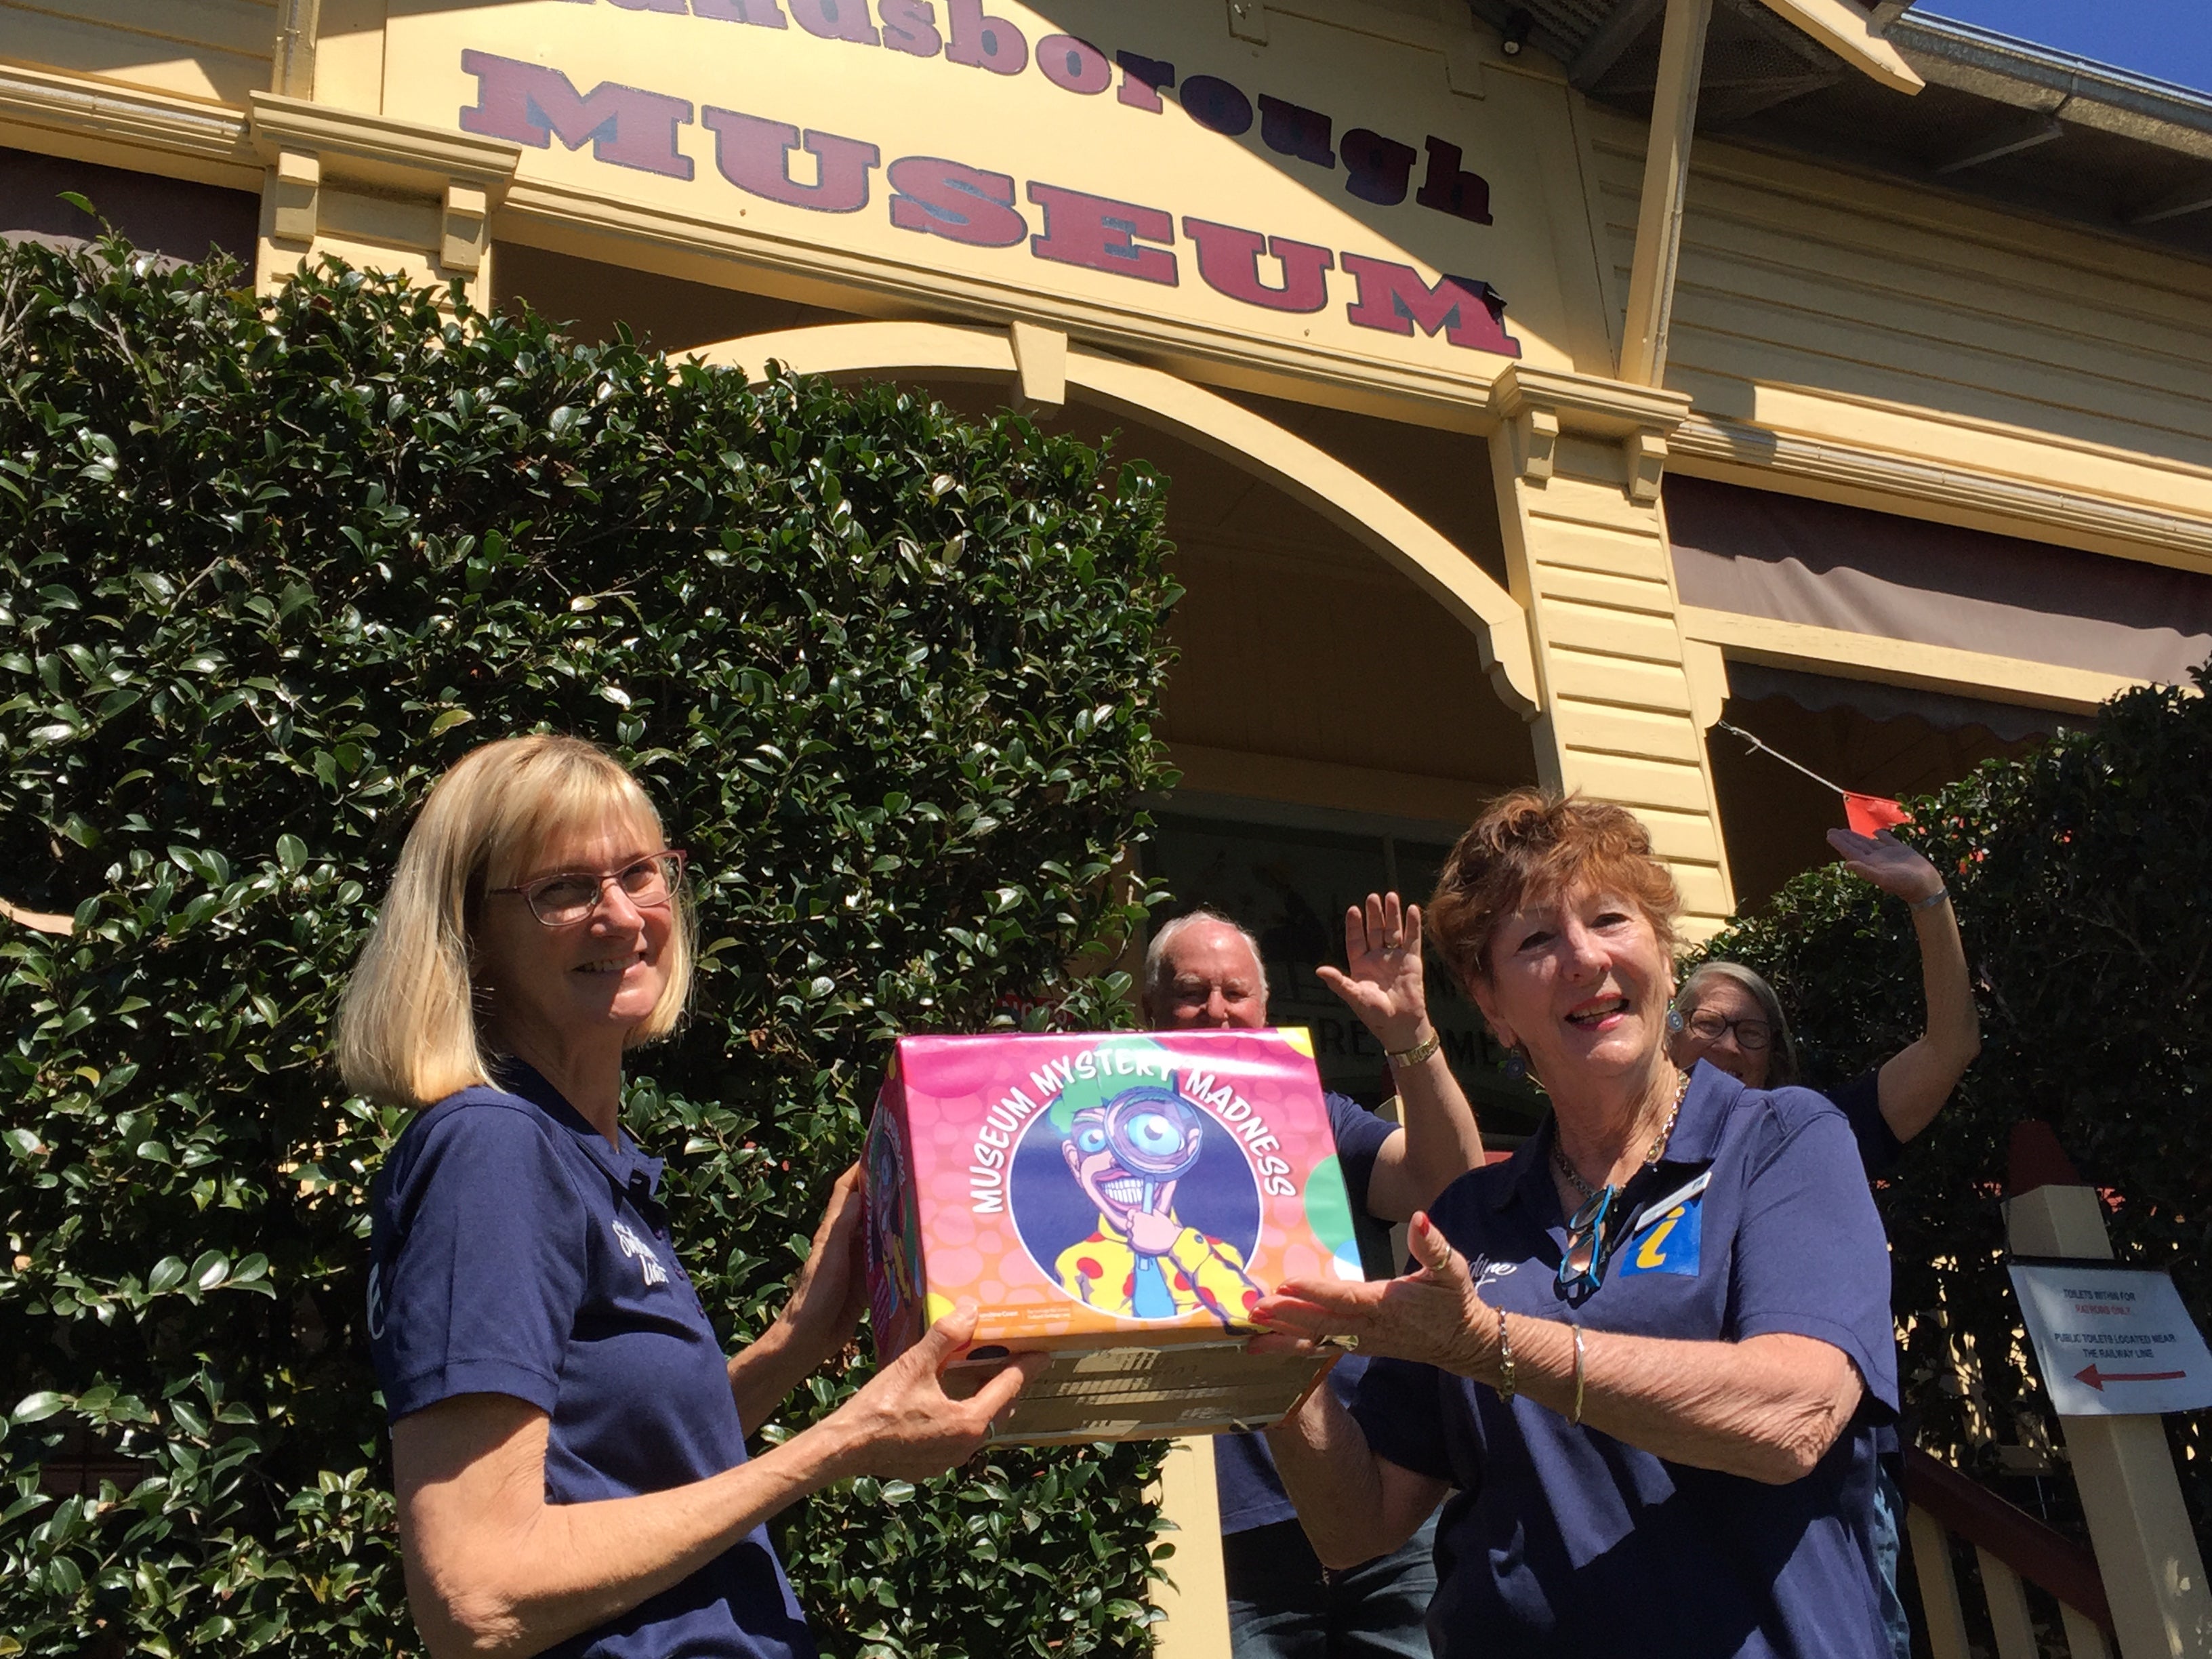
x=627, y=126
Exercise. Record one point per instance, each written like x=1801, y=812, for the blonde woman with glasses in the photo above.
x=567, y=1436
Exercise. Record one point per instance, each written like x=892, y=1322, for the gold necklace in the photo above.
x=1658, y=1144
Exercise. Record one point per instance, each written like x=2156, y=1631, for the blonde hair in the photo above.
x=407, y=1030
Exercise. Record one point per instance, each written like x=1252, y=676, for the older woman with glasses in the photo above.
x=1729, y=1015
x=568, y=1437
x=1646, y=1355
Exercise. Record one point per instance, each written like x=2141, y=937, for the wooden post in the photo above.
x=2148, y=1558
x=1193, y=1604
x=1666, y=177
x=1939, y=1610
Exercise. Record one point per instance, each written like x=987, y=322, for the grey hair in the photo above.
x=1155, y=953
x=1782, y=1067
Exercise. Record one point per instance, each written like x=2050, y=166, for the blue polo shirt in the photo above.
x=1244, y=1477
x=514, y=1252
x=1563, y=1541
x=1860, y=1102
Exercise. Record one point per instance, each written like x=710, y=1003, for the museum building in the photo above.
x=1549, y=392
x=1543, y=387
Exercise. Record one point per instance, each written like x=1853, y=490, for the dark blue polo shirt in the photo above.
x=1244, y=1477
x=1563, y=1541
x=514, y=1252
x=1880, y=1151
x=1860, y=1102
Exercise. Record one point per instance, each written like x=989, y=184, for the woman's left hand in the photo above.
x=1901, y=872
x=1432, y=1316
x=831, y=1290
x=1382, y=950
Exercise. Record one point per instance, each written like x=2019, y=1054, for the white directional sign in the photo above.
x=2112, y=1341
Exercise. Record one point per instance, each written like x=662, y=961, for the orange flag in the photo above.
x=1868, y=813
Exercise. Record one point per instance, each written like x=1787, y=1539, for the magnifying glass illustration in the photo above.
x=1155, y=1135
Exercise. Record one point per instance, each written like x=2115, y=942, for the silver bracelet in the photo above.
x=1576, y=1415
x=1932, y=900
x=1504, y=1359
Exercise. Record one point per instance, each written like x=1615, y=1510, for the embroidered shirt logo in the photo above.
x=1669, y=1244
x=648, y=1263
x=1667, y=1234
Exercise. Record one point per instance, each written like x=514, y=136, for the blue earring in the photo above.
x=1514, y=1066
x=1674, y=1021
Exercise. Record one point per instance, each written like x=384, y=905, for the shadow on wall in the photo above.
x=170, y=217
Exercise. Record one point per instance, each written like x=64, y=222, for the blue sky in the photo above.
x=2171, y=40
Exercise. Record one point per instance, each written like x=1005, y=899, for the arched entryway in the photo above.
x=1352, y=681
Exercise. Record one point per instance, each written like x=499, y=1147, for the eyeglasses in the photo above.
x=1582, y=1266
x=1752, y=1033
x=568, y=896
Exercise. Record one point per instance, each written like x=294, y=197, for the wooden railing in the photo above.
x=2139, y=1589
x=2014, y=1549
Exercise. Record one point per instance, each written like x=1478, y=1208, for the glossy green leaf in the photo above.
x=861, y=645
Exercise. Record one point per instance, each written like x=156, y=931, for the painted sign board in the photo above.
x=2112, y=1341
x=1119, y=1201
x=1325, y=196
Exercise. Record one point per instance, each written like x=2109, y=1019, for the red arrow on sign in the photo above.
x=2097, y=1379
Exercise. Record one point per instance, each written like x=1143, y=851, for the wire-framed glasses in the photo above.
x=1752, y=1033
x=568, y=896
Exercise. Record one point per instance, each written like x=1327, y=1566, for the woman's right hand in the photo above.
x=1432, y=1316
x=903, y=1425
x=1382, y=981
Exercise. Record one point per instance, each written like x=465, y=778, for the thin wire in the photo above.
x=1757, y=743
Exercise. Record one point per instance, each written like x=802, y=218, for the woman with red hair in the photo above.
x=1646, y=1356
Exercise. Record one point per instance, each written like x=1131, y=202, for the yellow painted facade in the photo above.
x=1160, y=232
x=1420, y=515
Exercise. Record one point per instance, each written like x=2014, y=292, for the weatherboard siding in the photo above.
x=1620, y=722
x=1816, y=302
x=217, y=50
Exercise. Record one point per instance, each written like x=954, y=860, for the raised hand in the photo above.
x=1432, y=1316
x=1382, y=953
x=1899, y=870
x=903, y=1425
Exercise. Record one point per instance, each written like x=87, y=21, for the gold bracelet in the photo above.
x=1576, y=1416
x=1417, y=1053
x=1504, y=1359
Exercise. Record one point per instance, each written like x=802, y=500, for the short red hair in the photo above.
x=1529, y=847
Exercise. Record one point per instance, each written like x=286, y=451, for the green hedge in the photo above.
x=266, y=566
x=2083, y=874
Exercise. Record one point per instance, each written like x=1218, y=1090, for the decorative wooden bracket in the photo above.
x=1536, y=435
x=317, y=150
x=1541, y=405
x=296, y=192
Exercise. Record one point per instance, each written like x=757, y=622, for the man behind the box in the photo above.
x=1203, y=970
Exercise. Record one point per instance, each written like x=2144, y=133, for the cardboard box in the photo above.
x=1118, y=1200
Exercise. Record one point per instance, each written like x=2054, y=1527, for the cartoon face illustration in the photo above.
x=1140, y=1262
x=1129, y=1154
